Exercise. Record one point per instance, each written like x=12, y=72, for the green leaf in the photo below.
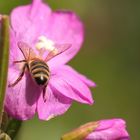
x=4, y=58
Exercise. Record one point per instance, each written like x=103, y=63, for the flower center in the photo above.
x=45, y=43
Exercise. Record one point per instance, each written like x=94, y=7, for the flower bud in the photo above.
x=113, y=129
x=4, y=136
x=81, y=132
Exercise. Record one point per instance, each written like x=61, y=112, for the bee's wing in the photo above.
x=26, y=50
x=58, y=49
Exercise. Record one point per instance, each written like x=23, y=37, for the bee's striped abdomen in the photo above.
x=40, y=71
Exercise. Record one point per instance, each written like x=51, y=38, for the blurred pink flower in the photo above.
x=0, y=17
x=28, y=24
x=113, y=129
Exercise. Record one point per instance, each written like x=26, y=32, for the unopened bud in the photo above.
x=112, y=129
x=82, y=132
x=4, y=136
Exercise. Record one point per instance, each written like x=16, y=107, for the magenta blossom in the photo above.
x=39, y=27
x=113, y=129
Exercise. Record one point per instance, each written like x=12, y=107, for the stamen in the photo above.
x=45, y=43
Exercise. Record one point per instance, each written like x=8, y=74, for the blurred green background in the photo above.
x=110, y=56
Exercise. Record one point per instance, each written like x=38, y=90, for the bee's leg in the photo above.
x=20, y=61
x=19, y=78
x=44, y=92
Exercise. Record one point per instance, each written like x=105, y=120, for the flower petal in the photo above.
x=110, y=130
x=61, y=27
x=21, y=99
x=55, y=104
x=65, y=27
x=14, y=49
x=70, y=85
x=32, y=22
x=83, y=78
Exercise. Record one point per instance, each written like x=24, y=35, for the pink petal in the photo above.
x=110, y=130
x=32, y=22
x=21, y=99
x=37, y=19
x=70, y=85
x=65, y=27
x=87, y=81
x=15, y=53
x=55, y=104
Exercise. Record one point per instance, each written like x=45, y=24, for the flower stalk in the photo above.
x=4, y=53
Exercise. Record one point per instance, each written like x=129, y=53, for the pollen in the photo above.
x=45, y=43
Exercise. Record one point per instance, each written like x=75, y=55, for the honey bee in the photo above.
x=35, y=65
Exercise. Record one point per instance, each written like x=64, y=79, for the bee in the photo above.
x=35, y=65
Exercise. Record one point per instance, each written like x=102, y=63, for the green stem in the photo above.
x=13, y=128
x=10, y=126
x=4, y=54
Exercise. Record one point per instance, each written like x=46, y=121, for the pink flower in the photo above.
x=113, y=129
x=38, y=27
